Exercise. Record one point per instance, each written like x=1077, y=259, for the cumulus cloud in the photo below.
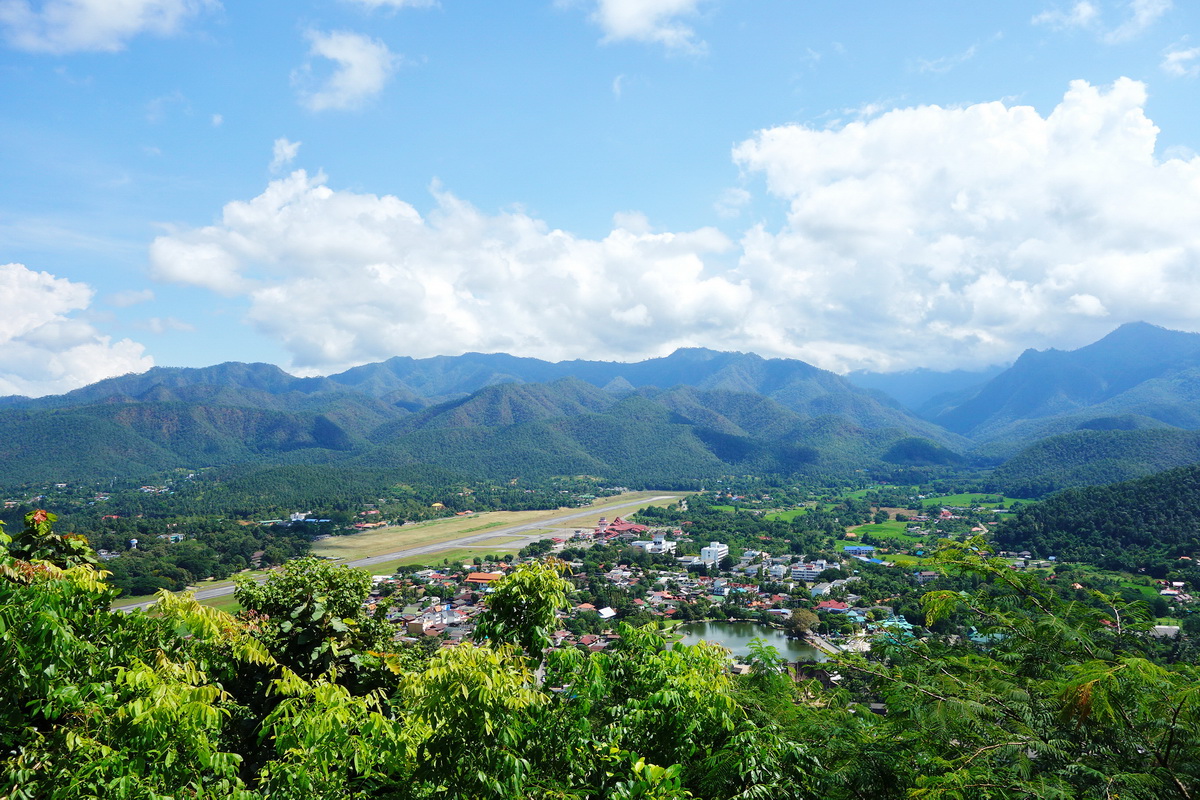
x=655, y=21
x=963, y=235
x=362, y=66
x=283, y=153
x=67, y=26
x=341, y=278
x=43, y=349
x=923, y=236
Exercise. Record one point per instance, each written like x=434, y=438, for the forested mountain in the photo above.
x=918, y=389
x=670, y=421
x=1137, y=369
x=679, y=418
x=1093, y=457
x=1145, y=524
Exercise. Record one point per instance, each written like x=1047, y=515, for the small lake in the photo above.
x=736, y=637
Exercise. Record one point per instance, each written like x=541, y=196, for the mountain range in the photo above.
x=1129, y=400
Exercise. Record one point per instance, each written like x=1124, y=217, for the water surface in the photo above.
x=736, y=637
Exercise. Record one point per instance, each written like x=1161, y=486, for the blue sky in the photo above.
x=322, y=184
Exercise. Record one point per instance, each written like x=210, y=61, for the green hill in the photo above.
x=1145, y=524
x=1094, y=457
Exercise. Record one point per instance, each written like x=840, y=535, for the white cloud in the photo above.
x=67, y=26
x=731, y=202
x=130, y=297
x=957, y=236
x=1138, y=16
x=927, y=236
x=1181, y=62
x=217, y=119
x=43, y=350
x=161, y=325
x=283, y=153
x=1081, y=15
x=362, y=68
x=656, y=21
x=946, y=63
x=341, y=278
x=1142, y=14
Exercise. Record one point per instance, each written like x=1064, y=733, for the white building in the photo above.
x=714, y=552
x=658, y=544
x=810, y=571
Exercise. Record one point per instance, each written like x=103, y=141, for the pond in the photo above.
x=737, y=635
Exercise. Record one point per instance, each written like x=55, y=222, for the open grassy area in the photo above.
x=500, y=541
x=398, y=537
x=888, y=530
x=786, y=516
x=891, y=557
x=226, y=604
x=453, y=555
x=969, y=500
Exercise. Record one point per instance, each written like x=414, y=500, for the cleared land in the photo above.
x=402, y=537
x=429, y=542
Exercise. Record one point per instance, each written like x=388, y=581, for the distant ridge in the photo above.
x=1137, y=369
x=693, y=413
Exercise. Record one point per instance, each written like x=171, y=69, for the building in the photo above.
x=714, y=553
x=810, y=571
x=657, y=545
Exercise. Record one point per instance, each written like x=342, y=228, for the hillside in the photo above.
x=1094, y=457
x=686, y=417
x=1137, y=369
x=1146, y=524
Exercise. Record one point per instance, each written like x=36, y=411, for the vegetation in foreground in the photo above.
x=304, y=695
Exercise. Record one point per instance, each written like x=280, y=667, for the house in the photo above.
x=836, y=606
x=483, y=578
x=858, y=550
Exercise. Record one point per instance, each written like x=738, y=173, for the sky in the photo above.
x=324, y=183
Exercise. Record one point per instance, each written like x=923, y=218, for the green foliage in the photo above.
x=310, y=615
x=1094, y=457
x=1132, y=525
x=522, y=608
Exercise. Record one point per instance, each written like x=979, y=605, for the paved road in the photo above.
x=540, y=526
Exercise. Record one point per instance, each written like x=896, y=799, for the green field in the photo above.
x=786, y=516
x=888, y=530
x=969, y=500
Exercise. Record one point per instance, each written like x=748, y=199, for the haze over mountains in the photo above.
x=690, y=415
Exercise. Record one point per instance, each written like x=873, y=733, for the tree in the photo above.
x=523, y=607
x=311, y=614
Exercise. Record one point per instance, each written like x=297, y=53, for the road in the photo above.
x=449, y=544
